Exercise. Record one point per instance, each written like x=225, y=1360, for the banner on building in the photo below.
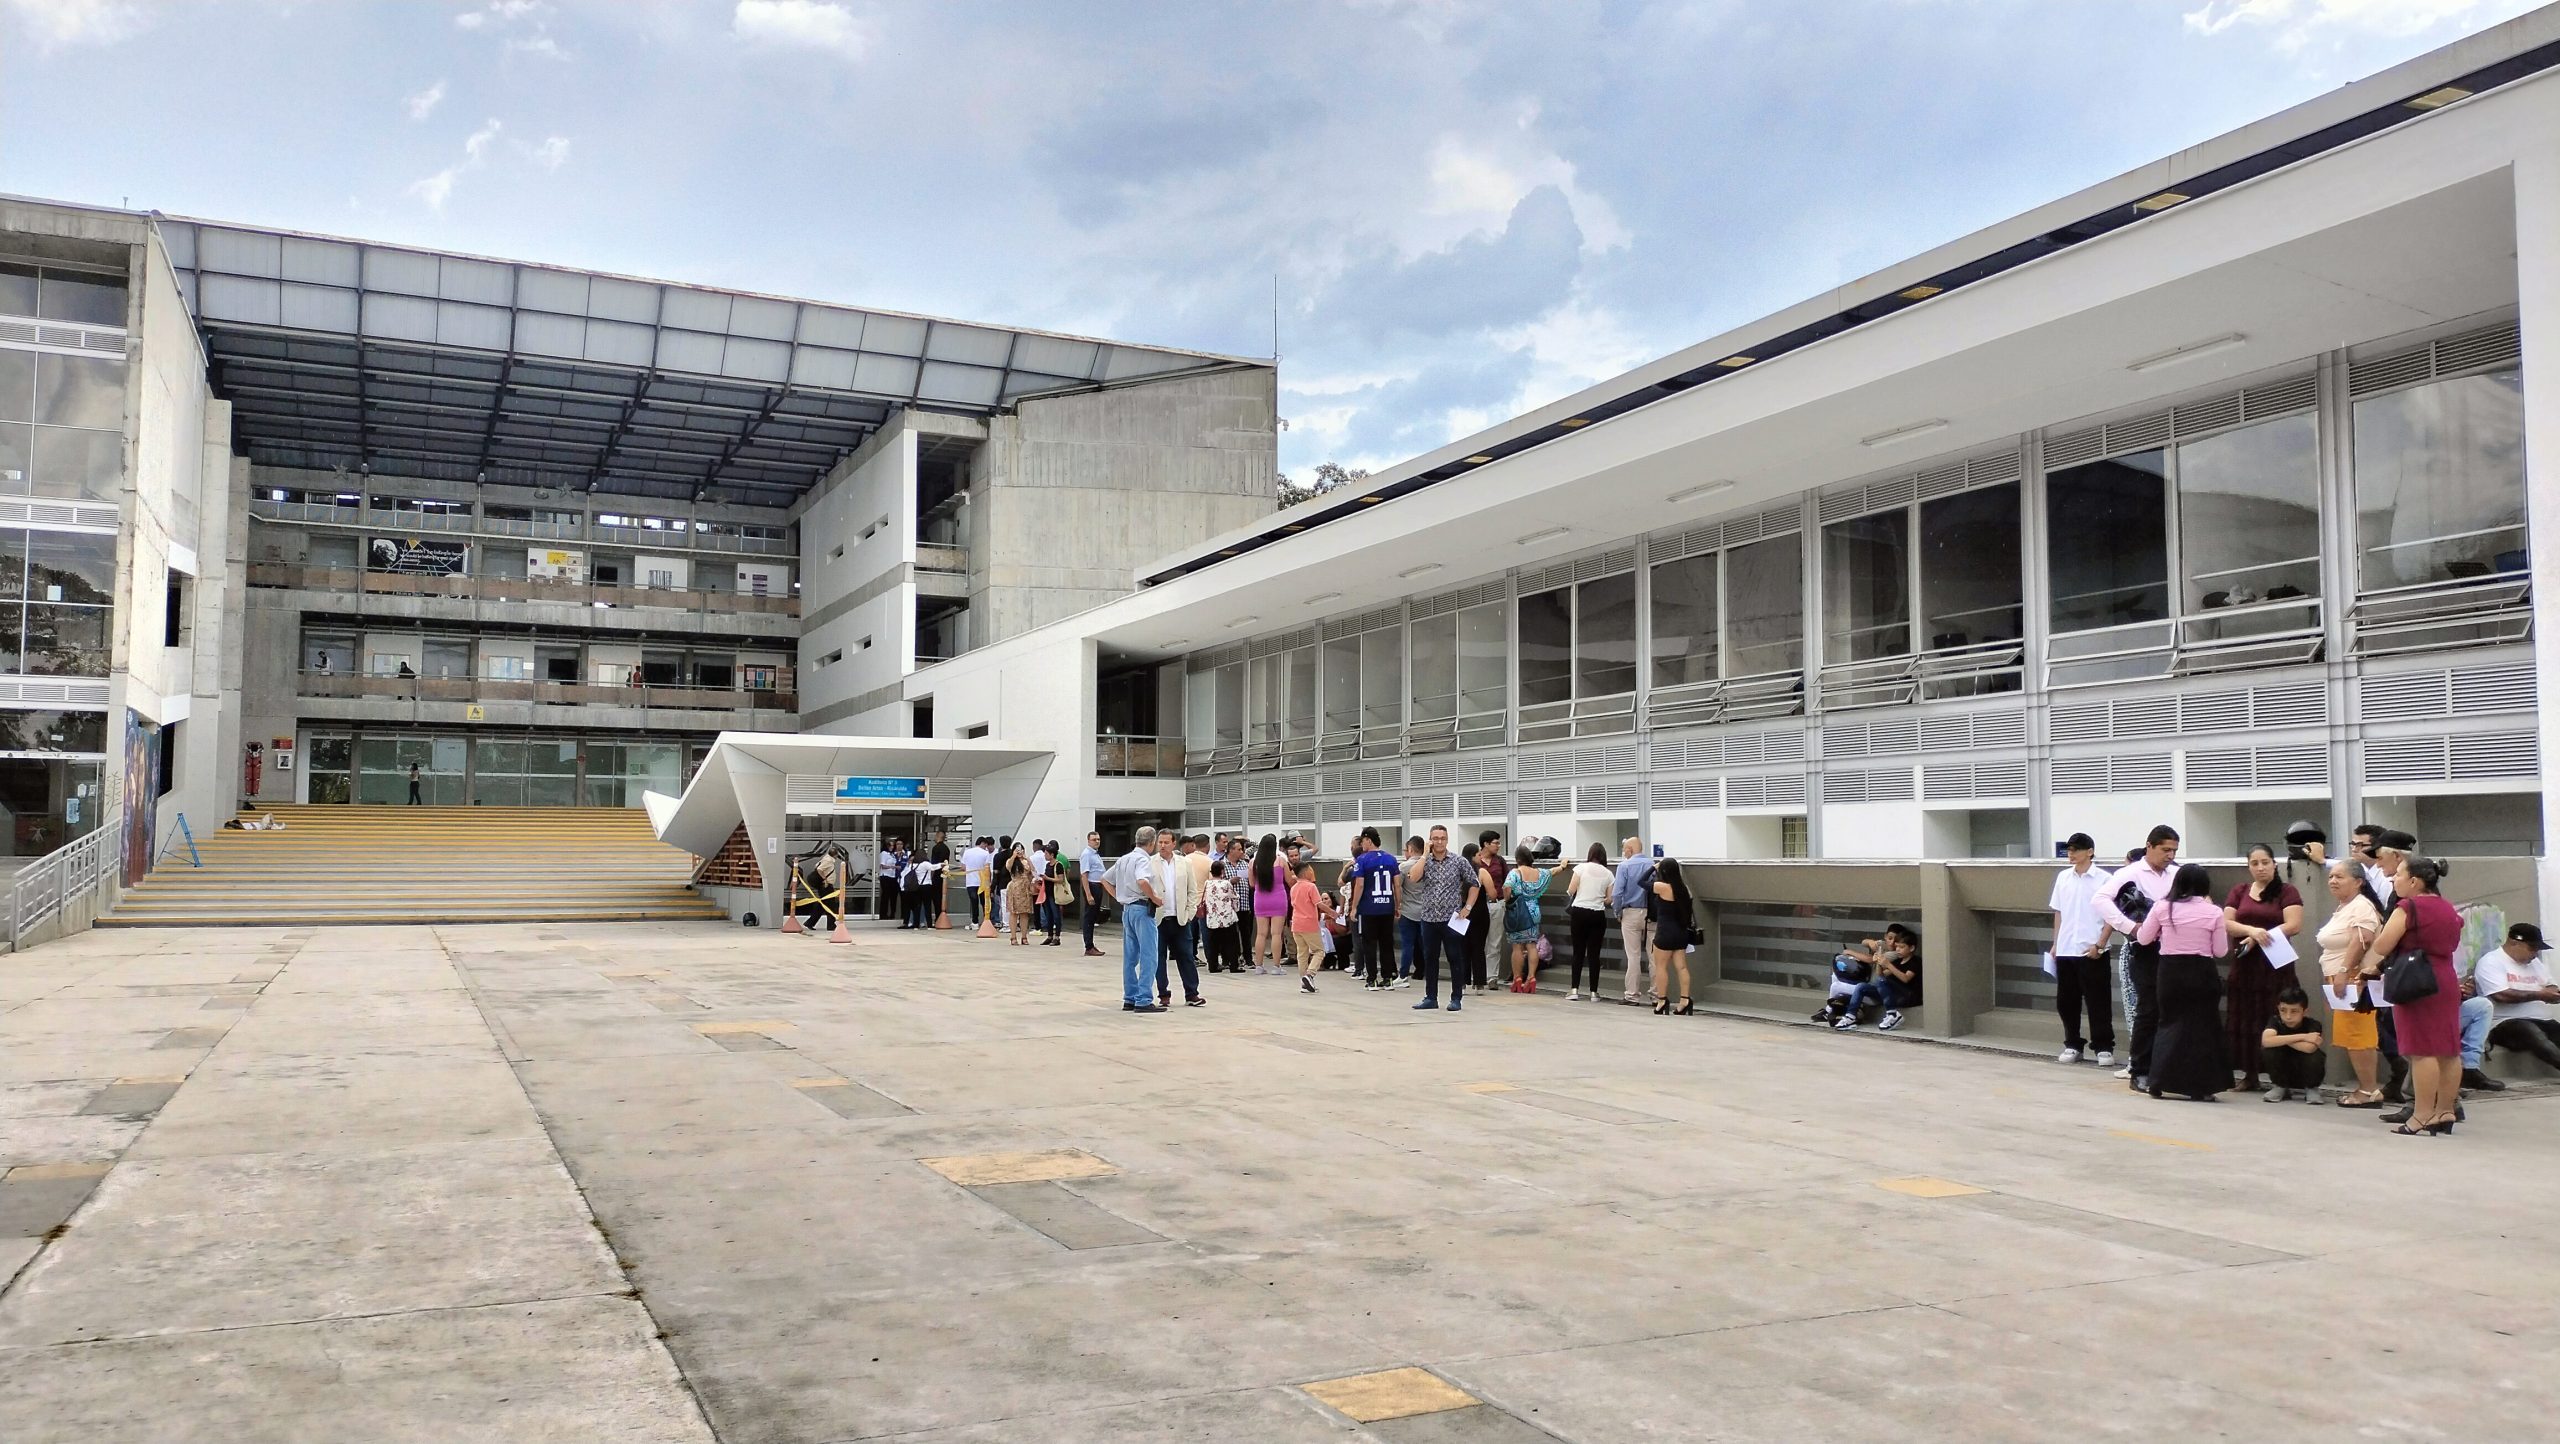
x=416, y=556
x=555, y=566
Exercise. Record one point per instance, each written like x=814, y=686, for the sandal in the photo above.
x=2350, y=1100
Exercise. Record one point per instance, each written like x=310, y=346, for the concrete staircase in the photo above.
x=422, y=865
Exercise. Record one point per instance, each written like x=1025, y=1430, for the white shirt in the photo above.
x=973, y=865
x=2497, y=972
x=1133, y=867
x=2075, y=897
x=2380, y=882
x=1039, y=863
x=1591, y=881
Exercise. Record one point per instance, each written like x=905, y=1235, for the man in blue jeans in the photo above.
x=1447, y=888
x=1089, y=873
x=1139, y=882
x=1408, y=922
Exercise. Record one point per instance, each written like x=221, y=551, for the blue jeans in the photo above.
x=1137, y=954
x=1885, y=993
x=2475, y=1030
x=1409, y=945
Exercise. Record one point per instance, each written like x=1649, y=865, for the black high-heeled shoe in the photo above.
x=1686, y=1007
x=2445, y=1128
x=1662, y=1007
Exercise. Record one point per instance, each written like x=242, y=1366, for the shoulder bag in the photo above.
x=2408, y=976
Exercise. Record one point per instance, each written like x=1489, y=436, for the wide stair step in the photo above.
x=332, y=865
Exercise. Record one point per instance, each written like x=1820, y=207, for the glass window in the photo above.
x=80, y=391
x=2440, y=481
x=1604, y=645
x=1866, y=587
x=1382, y=678
x=1342, y=685
x=1684, y=621
x=1298, y=717
x=1969, y=570
x=1200, y=709
x=66, y=641
x=1230, y=716
x=1435, y=668
x=81, y=298
x=1764, y=590
x=1483, y=660
x=17, y=385
x=17, y=457
x=1262, y=697
x=69, y=566
x=86, y=465
x=2249, y=515
x=53, y=731
x=1546, y=647
x=17, y=289
x=2107, y=529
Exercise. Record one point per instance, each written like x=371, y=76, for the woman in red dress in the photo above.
x=2430, y=1028
x=2263, y=905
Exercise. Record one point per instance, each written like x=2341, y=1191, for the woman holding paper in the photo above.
x=2258, y=912
x=2353, y=1025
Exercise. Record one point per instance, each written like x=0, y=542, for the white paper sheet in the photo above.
x=2279, y=949
x=1458, y=924
x=2048, y=962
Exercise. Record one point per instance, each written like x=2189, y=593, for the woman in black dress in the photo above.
x=2190, y=1055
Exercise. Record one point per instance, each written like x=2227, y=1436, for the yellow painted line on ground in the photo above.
x=36, y=1172
x=821, y=1082
x=1491, y=1086
x=759, y=1027
x=2163, y=1142
x=1928, y=1187
x=157, y=1078
x=1392, y=1394
x=1516, y=1032
x=1048, y=1166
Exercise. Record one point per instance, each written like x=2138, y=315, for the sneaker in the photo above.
x=1195, y=1002
x=1845, y=1023
x=2124, y=1072
x=1453, y=1003
x=1889, y=1021
x=2104, y=1058
x=1368, y=987
x=1305, y=985
x=1574, y=997
x=1432, y=1003
x=1401, y=983
x=2312, y=1095
x=2277, y=1095
x=2067, y=1055
x=1824, y=1014
x=1149, y=1008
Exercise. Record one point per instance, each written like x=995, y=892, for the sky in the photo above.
x=1446, y=212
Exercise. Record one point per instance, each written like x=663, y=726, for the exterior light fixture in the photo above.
x=1573, y=421
x=2435, y=99
x=1477, y=460
x=1735, y=363
x=2196, y=352
x=1324, y=597
x=2160, y=202
x=1919, y=293
x=1547, y=535
x=1424, y=570
x=1242, y=622
x=1901, y=434
x=1699, y=493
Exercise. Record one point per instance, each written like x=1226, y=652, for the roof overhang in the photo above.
x=742, y=777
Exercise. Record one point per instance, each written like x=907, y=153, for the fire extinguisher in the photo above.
x=251, y=770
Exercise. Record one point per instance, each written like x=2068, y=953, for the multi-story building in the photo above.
x=2224, y=493
x=539, y=533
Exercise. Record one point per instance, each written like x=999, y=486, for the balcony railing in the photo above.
x=1115, y=755
x=40, y=889
x=518, y=589
x=931, y=558
x=647, y=539
x=566, y=694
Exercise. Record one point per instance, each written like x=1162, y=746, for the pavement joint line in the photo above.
x=754, y=1027
x=2162, y=1141
x=1923, y=1187
x=821, y=1082
x=154, y=1079
x=298, y=1323
x=43, y=1172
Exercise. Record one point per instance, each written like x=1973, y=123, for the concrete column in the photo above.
x=760, y=807
x=2537, y=185
x=1955, y=948
x=2337, y=597
x=2035, y=596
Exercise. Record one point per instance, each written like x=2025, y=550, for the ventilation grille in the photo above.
x=1579, y=762
x=1883, y=784
x=69, y=338
x=2226, y=709
x=2487, y=757
x=1379, y=809
x=2454, y=692
x=1285, y=642
x=2076, y=775
x=2181, y=423
x=1282, y=784
x=1298, y=814
x=1963, y=781
x=1211, y=661
x=1429, y=804
x=1784, y=789
x=2231, y=769
x=1849, y=501
x=1694, y=792
x=1375, y=619
x=1342, y=810
x=58, y=513
x=1717, y=535
x=2452, y=356
x=1546, y=799
x=1730, y=749
x=1618, y=799
x=1580, y=569
x=1367, y=779
x=1447, y=602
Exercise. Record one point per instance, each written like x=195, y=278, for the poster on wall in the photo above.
x=141, y=794
x=759, y=580
x=416, y=556
x=544, y=565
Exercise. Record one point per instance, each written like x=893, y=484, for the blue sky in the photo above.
x=1469, y=209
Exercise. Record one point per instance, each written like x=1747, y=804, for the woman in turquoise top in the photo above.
x=1520, y=920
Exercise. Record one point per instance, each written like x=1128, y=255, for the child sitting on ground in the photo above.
x=1895, y=985
x=2290, y=1050
x=1852, y=965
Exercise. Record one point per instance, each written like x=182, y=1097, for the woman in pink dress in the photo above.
x=2189, y=1055
x=2430, y=1028
x=1270, y=888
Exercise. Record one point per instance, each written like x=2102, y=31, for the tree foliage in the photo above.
x=1329, y=476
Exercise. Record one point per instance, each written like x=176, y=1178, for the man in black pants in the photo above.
x=1379, y=884
x=2081, y=981
x=2144, y=882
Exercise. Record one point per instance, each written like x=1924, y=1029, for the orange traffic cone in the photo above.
x=987, y=920
x=942, y=920
x=842, y=934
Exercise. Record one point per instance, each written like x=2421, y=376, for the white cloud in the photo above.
x=2295, y=24
x=61, y=23
x=436, y=189
x=424, y=103
x=552, y=154
x=803, y=25
x=497, y=13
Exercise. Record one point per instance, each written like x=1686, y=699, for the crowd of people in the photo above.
x=2215, y=1001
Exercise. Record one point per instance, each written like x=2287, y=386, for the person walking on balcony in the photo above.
x=414, y=798
x=2081, y=979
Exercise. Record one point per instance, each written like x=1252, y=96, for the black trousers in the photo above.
x=2537, y=1036
x=1589, y=926
x=1377, y=949
x=1091, y=907
x=1226, y=948
x=2291, y=1068
x=2085, y=983
x=2142, y=969
x=1438, y=942
x=1476, y=946
x=1174, y=940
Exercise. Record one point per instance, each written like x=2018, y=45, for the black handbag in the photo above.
x=2407, y=976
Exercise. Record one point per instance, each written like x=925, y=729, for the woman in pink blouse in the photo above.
x=2189, y=1055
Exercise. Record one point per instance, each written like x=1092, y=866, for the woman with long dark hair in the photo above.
x=2255, y=911
x=2429, y=1028
x=1587, y=913
x=2190, y=1055
x=1674, y=929
x=940, y=889
x=1270, y=903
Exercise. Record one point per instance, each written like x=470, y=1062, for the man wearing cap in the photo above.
x=2519, y=987
x=2080, y=971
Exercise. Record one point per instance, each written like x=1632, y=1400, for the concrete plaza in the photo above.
x=686, y=1182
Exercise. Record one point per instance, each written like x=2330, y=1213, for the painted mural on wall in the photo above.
x=416, y=556
x=141, y=794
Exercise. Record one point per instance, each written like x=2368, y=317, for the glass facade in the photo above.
x=1685, y=640
x=1764, y=594
x=2249, y=521
x=61, y=424
x=1866, y=588
x=491, y=771
x=2439, y=474
x=1546, y=647
x=1604, y=636
x=2107, y=541
x=1971, y=569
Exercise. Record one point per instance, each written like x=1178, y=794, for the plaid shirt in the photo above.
x=1441, y=889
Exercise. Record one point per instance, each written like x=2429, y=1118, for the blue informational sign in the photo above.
x=880, y=789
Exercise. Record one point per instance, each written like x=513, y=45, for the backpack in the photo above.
x=1520, y=913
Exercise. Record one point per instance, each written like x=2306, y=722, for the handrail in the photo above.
x=41, y=887
x=593, y=595
x=423, y=688
x=360, y=517
x=1118, y=754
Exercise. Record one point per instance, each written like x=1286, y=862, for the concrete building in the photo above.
x=539, y=533
x=2224, y=493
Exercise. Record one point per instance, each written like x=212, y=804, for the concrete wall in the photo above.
x=1077, y=492
x=1034, y=693
x=853, y=586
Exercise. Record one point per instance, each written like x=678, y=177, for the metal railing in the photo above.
x=594, y=595
x=40, y=888
x=395, y=522
x=572, y=694
x=1117, y=755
